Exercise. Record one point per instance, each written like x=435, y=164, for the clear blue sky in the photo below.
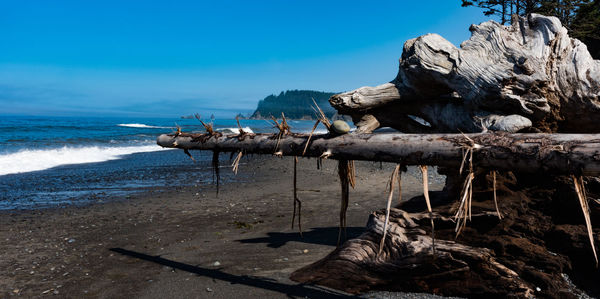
x=169, y=58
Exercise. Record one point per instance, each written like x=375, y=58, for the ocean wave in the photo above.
x=235, y=130
x=317, y=131
x=40, y=159
x=142, y=126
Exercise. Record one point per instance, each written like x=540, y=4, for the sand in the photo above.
x=187, y=242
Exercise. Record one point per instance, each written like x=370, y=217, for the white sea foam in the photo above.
x=235, y=130
x=40, y=159
x=318, y=131
x=141, y=126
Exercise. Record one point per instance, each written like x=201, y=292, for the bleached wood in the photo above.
x=504, y=78
x=528, y=153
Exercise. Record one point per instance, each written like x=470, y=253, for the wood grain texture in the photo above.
x=530, y=75
x=528, y=153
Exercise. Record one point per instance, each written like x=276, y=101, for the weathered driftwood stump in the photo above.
x=528, y=77
x=538, y=248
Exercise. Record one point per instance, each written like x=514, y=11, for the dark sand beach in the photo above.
x=183, y=241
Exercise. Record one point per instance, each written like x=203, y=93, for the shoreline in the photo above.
x=184, y=241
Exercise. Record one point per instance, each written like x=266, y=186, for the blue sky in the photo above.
x=170, y=58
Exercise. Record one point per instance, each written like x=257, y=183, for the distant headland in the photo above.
x=295, y=104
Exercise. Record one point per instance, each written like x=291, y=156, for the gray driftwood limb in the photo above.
x=456, y=269
x=528, y=76
x=528, y=153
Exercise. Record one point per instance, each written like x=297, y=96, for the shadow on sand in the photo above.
x=317, y=235
x=298, y=290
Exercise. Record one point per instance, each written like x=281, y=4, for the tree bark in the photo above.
x=525, y=153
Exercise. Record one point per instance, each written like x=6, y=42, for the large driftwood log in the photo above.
x=537, y=249
x=528, y=153
x=528, y=76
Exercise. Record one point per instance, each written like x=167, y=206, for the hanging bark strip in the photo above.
x=189, y=155
x=399, y=183
x=297, y=201
x=242, y=132
x=215, y=166
x=310, y=136
x=321, y=116
x=351, y=174
x=343, y=172
x=525, y=153
x=585, y=208
x=426, y=195
x=236, y=163
x=495, y=199
x=463, y=208
x=389, y=206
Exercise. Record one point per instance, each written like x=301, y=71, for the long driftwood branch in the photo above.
x=527, y=153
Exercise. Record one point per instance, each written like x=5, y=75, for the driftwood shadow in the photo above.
x=291, y=290
x=316, y=235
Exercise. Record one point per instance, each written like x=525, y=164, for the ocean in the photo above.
x=56, y=161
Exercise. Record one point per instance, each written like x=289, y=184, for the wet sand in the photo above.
x=187, y=242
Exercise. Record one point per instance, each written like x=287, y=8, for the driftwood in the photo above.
x=529, y=153
x=523, y=254
x=530, y=76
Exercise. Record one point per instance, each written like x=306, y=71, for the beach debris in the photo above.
x=509, y=96
x=340, y=127
x=518, y=90
x=305, y=251
x=310, y=136
x=209, y=290
x=389, y=205
x=400, y=183
x=585, y=208
x=284, y=129
x=178, y=130
x=189, y=155
x=208, y=127
x=240, y=129
x=216, y=264
x=466, y=196
x=498, y=151
x=495, y=199
x=297, y=202
x=321, y=116
x=426, y=195
x=325, y=154
x=215, y=166
x=463, y=209
x=347, y=179
x=236, y=163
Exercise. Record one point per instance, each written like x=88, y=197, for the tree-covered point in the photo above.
x=580, y=17
x=296, y=104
